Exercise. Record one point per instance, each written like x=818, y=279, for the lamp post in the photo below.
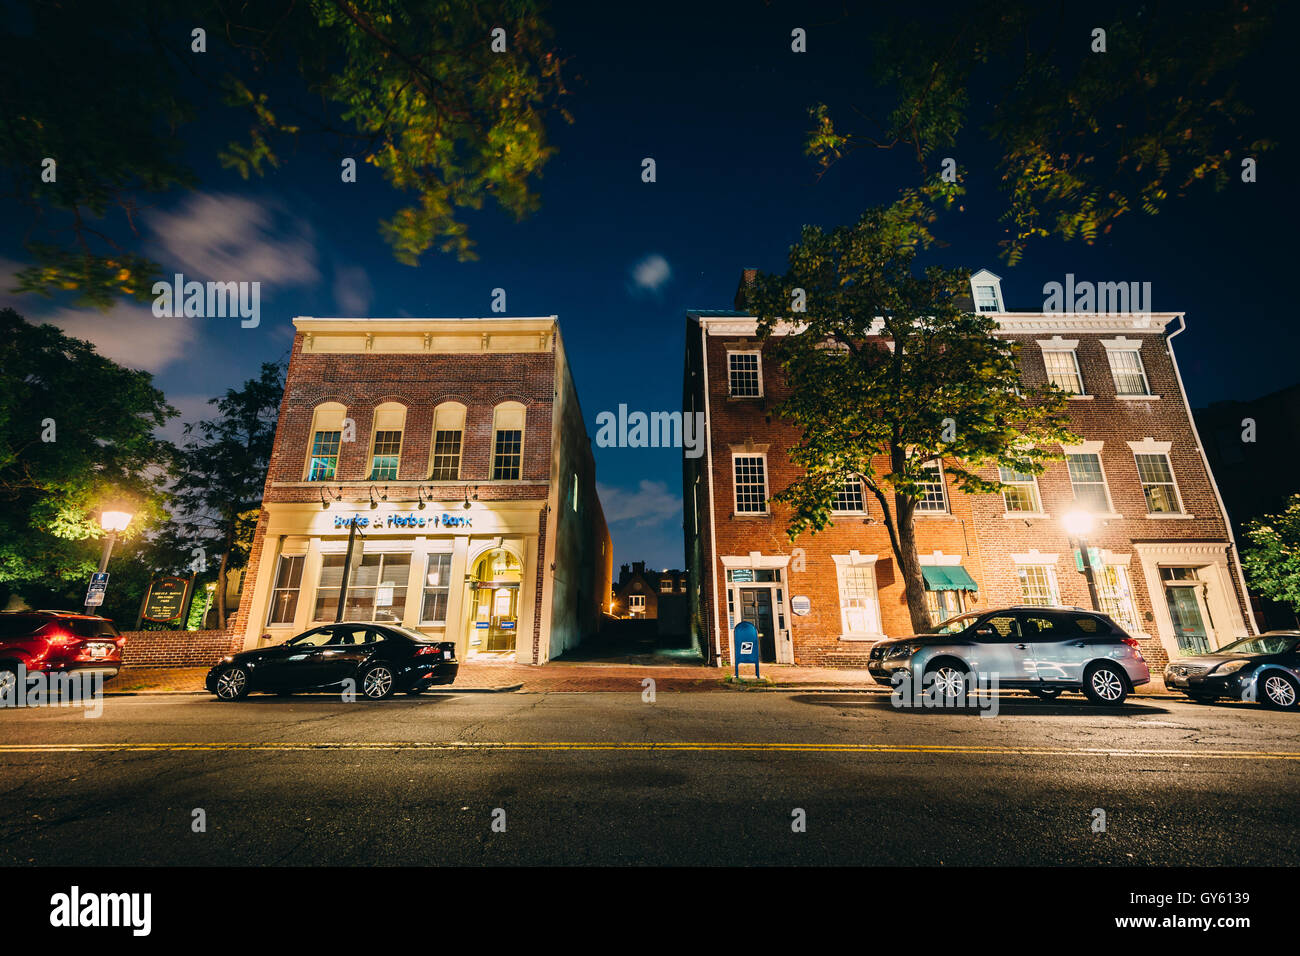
x=112, y=522
x=1079, y=524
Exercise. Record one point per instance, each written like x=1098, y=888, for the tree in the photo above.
x=888, y=372
x=1086, y=128
x=76, y=435
x=421, y=90
x=221, y=471
x=1273, y=560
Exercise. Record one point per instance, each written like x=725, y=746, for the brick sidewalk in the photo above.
x=564, y=678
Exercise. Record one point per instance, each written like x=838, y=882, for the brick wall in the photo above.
x=177, y=648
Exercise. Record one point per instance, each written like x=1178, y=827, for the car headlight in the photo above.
x=1231, y=667
x=901, y=650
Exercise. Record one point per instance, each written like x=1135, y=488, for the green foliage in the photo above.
x=1083, y=137
x=410, y=87
x=104, y=453
x=888, y=371
x=1273, y=560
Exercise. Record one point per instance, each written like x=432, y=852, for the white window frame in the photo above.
x=866, y=564
x=1155, y=451
x=1032, y=482
x=943, y=490
x=862, y=491
x=986, y=279
x=426, y=587
x=1094, y=449
x=1078, y=372
x=1049, y=573
x=758, y=360
x=1134, y=346
x=276, y=589
x=1122, y=598
x=735, y=484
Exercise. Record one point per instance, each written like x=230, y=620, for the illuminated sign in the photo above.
x=404, y=521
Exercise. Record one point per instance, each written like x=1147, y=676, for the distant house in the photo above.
x=651, y=595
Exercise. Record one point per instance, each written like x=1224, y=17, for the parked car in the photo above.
x=52, y=642
x=378, y=658
x=1264, y=668
x=1045, y=650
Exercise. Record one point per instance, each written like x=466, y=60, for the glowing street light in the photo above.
x=112, y=521
x=1079, y=524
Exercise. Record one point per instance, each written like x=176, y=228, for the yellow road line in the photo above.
x=642, y=746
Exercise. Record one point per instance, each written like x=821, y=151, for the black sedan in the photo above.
x=1264, y=668
x=372, y=659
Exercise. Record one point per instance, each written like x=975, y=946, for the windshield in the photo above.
x=1264, y=644
x=955, y=624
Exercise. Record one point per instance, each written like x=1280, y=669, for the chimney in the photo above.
x=638, y=567
x=742, y=290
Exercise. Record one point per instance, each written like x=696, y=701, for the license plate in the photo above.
x=99, y=650
x=1178, y=681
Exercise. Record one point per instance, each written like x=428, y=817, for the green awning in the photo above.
x=947, y=577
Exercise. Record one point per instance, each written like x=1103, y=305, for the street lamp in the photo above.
x=112, y=522
x=1080, y=524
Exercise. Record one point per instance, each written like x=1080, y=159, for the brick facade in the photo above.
x=178, y=648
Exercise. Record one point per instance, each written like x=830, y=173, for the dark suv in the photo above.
x=1044, y=650
x=56, y=642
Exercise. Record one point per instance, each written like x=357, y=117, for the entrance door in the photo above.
x=495, y=603
x=756, y=608
x=1189, y=621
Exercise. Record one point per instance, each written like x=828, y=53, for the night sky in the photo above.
x=714, y=94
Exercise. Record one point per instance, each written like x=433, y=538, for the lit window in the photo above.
x=437, y=587
x=1088, y=482
x=743, y=374
x=284, y=596
x=751, y=484
x=1113, y=595
x=636, y=603
x=507, y=454
x=1037, y=585
x=324, y=456
x=376, y=591
x=859, y=607
x=1063, y=370
x=986, y=298
x=446, y=456
x=944, y=604
x=1020, y=492
x=931, y=497
x=1158, y=483
x=1127, y=371
x=849, y=498
x=387, y=453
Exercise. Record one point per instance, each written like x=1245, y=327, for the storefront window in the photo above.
x=284, y=597
x=1037, y=585
x=376, y=591
x=1114, y=596
x=943, y=605
x=437, y=584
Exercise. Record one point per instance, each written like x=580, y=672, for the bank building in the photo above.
x=446, y=465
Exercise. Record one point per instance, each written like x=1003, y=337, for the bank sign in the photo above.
x=410, y=521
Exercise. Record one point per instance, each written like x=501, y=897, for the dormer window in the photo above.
x=986, y=290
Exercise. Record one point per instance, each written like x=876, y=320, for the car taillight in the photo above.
x=426, y=649
x=61, y=638
x=1132, y=642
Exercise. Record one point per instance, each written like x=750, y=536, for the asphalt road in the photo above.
x=705, y=778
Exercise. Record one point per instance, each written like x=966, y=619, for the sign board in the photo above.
x=1094, y=558
x=745, y=642
x=166, y=600
x=800, y=605
x=405, y=521
x=98, y=585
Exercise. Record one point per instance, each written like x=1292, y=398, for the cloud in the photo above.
x=651, y=273
x=651, y=503
x=229, y=238
x=352, y=290
x=192, y=408
x=129, y=334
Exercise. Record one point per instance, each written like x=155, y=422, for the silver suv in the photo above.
x=1044, y=650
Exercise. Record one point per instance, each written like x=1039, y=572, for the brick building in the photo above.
x=646, y=594
x=1165, y=560
x=457, y=449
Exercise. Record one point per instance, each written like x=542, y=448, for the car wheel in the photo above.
x=1046, y=693
x=1105, y=684
x=232, y=683
x=377, y=682
x=8, y=683
x=948, y=680
x=1278, y=691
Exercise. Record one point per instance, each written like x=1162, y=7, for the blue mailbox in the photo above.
x=745, y=641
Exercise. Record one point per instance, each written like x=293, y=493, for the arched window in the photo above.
x=326, y=436
x=448, y=431
x=386, y=446
x=507, y=441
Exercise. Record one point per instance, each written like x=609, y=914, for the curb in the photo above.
x=509, y=688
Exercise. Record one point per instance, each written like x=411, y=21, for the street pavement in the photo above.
x=610, y=778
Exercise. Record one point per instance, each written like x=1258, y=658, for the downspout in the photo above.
x=713, y=521
x=1200, y=449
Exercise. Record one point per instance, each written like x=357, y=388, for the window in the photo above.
x=437, y=586
x=986, y=298
x=324, y=456
x=284, y=595
x=377, y=591
x=931, y=498
x=1113, y=595
x=1158, y=483
x=574, y=498
x=666, y=584
x=1021, y=491
x=848, y=497
x=751, y=484
x=636, y=603
x=1037, y=585
x=859, y=607
x=1063, y=370
x=743, y=375
x=1127, y=371
x=387, y=452
x=507, y=451
x=943, y=605
x=448, y=427
x=1088, y=482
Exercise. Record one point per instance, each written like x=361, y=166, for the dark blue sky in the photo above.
x=715, y=96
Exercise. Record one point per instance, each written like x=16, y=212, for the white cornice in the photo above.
x=500, y=323
x=1012, y=323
